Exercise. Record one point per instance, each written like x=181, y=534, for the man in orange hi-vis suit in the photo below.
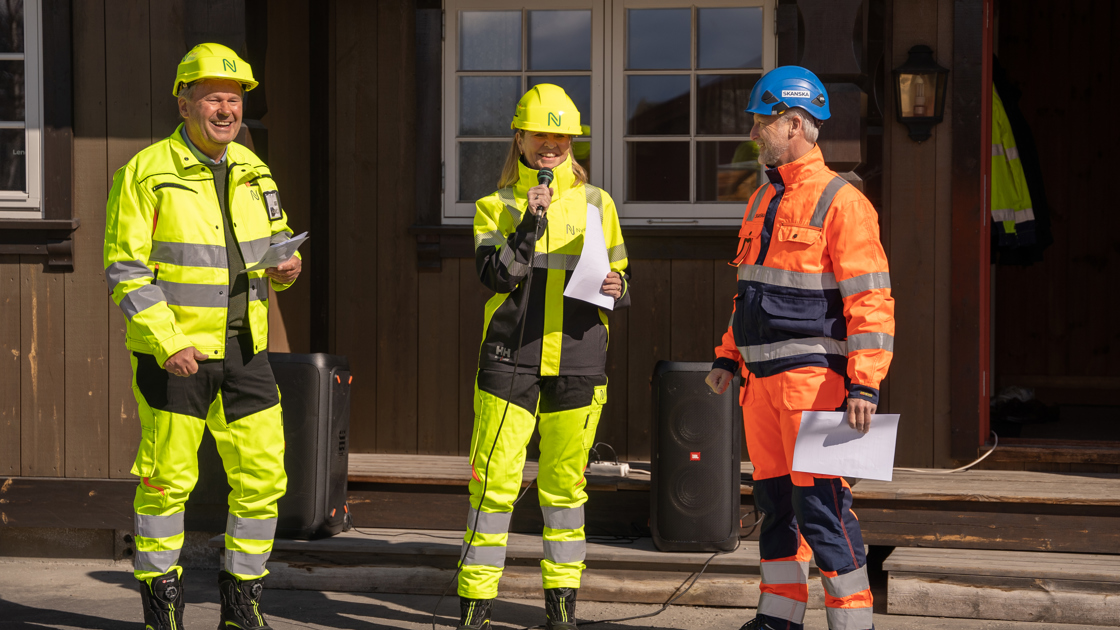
x=812, y=330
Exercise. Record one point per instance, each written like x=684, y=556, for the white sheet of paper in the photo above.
x=279, y=253
x=593, y=266
x=826, y=445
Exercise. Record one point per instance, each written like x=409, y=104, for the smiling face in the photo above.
x=544, y=149
x=211, y=109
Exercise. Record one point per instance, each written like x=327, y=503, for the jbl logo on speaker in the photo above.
x=694, y=456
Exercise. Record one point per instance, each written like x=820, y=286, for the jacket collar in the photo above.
x=187, y=161
x=565, y=178
x=798, y=170
x=202, y=157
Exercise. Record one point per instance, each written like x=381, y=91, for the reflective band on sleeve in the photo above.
x=141, y=299
x=847, y=584
x=565, y=551
x=785, y=572
x=119, y=272
x=997, y=149
x=1003, y=214
x=784, y=278
x=825, y=201
x=152, y=526
x=850, y=618
x=871, y=341
x=866, y=282
x=254, y=250
x=1024, y=215
x=507, y=197
x=594, y=198
x=793, y=347
x=487, y=556
x=189, y=254
x=506, y=257
x=492, y=238
x=781, y=607
x=245, y=564
x=159, y=562
x=488, y=522
x=250, y=528
x=1012, y=153
x=617, y=253
x=280, y=237
x=200, y=295
x=758, y=200
x=258, y=289
x=562, y=518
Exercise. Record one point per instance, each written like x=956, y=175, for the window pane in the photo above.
x=657, y=105
x=11, y=27
x=13, y=160
x=657, y=171
x=578, y=88
x=582, y=153
x=721, y=103
x=730, y=38
x=11, y=91
x=490, y=40
x=480, y=166
x=727, y=170
x=560, y=40
x=487, y=105
x=658, y=39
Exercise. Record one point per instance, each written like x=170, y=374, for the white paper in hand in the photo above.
x=826, y=445
x=279, y=253
x=593, y=266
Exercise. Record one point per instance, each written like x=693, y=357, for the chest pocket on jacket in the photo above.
x=802, y=315
x=803, y=234
x=747, y=250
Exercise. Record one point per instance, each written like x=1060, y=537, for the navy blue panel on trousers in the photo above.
x=778, y=537
x=825, y=516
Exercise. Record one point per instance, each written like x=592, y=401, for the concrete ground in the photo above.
x=102, y=595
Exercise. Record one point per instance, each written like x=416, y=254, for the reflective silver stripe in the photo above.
x=488, y=556
x=793, y=347
x=871, y=341
x=488, y=522
x=866, y=282
x=1003, y=214
x=617, y=253
x=848, y=584
x=280, y=237
x=565, y=551
x=825, y=201
x=997, y=149
x=250, y=528
x=781, y=607
x=506, y=257
x=141, y=299
x=785, y=572
x=594, y=198
x=189, y=254
x=850, y=618
x=555, y=261
x=202, y=295
x=784, y=278
x=1024, y=215
x=1012, y=153
x=152, y=526
x=254, y=250
x=506, y=196
x=119, y=272
x=155, y=561
x=562, y=518
x=258, y=288
x=246, y=564
x=492, y=238
x=758, y=200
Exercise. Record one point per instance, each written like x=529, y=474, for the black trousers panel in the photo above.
x=555, y=393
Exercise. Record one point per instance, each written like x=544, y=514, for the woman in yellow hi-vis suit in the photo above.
x=528, y=234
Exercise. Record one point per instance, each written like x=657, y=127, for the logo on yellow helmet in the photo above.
x=554, y=119
x=229, y=65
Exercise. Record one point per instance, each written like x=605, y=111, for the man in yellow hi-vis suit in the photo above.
x=528, y=238
x=185, y=218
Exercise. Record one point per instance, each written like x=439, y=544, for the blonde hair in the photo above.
x=511, y=173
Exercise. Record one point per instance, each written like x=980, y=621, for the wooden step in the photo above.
x=1007, y=585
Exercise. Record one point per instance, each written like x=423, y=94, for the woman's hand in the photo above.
x=540, y=197
x=612, y=285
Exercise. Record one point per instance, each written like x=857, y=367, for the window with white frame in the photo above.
x=661, y=87
x=20, y=110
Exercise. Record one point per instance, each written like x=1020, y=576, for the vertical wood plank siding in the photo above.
x=10, y=361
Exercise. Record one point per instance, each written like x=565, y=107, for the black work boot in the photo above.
x=474, y=614
x=163, y=602
x=241, y=603
x=758, y=623
x=560, y=608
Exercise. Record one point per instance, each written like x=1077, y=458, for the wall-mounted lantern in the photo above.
x=919, y=92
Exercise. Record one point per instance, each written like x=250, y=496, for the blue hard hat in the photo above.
x=786, y=87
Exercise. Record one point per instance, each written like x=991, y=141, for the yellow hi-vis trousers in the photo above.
x=237, y=400
x=569, y=408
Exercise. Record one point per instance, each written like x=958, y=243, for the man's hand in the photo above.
x=184, y=362
x=286, y=272
x=540, y=197
x=859, y=414
x=719, y=380
x=612, y=285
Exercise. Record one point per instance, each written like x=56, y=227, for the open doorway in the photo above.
x=1056, y=293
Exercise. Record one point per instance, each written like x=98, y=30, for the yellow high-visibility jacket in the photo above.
x=165, y=247
x=1012, y=212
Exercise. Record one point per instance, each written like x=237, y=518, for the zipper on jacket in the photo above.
x=155, y=274
x=173, y=185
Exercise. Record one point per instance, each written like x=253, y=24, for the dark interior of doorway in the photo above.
x=1056, y=335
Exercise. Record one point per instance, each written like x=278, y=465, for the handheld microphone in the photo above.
x=544, y=178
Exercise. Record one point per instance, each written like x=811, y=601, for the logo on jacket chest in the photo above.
x=574, y=230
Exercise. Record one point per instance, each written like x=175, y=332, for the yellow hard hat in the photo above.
x=547, y=108
x=212, y=61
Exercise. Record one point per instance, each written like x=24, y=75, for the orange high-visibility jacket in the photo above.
x=814, y=287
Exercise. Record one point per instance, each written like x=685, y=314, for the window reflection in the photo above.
x=729, y=38
x=490, y=40
x=559, y=40
x=657, y=104
x=11, y=26
x=480, y=165
x=658, y=39
x=721, y=103
x=13, y=160
x=486, y=105
x=658, y=171
x=727, y=170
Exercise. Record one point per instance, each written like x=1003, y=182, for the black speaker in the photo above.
x=315, y=400
x=696, y=436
